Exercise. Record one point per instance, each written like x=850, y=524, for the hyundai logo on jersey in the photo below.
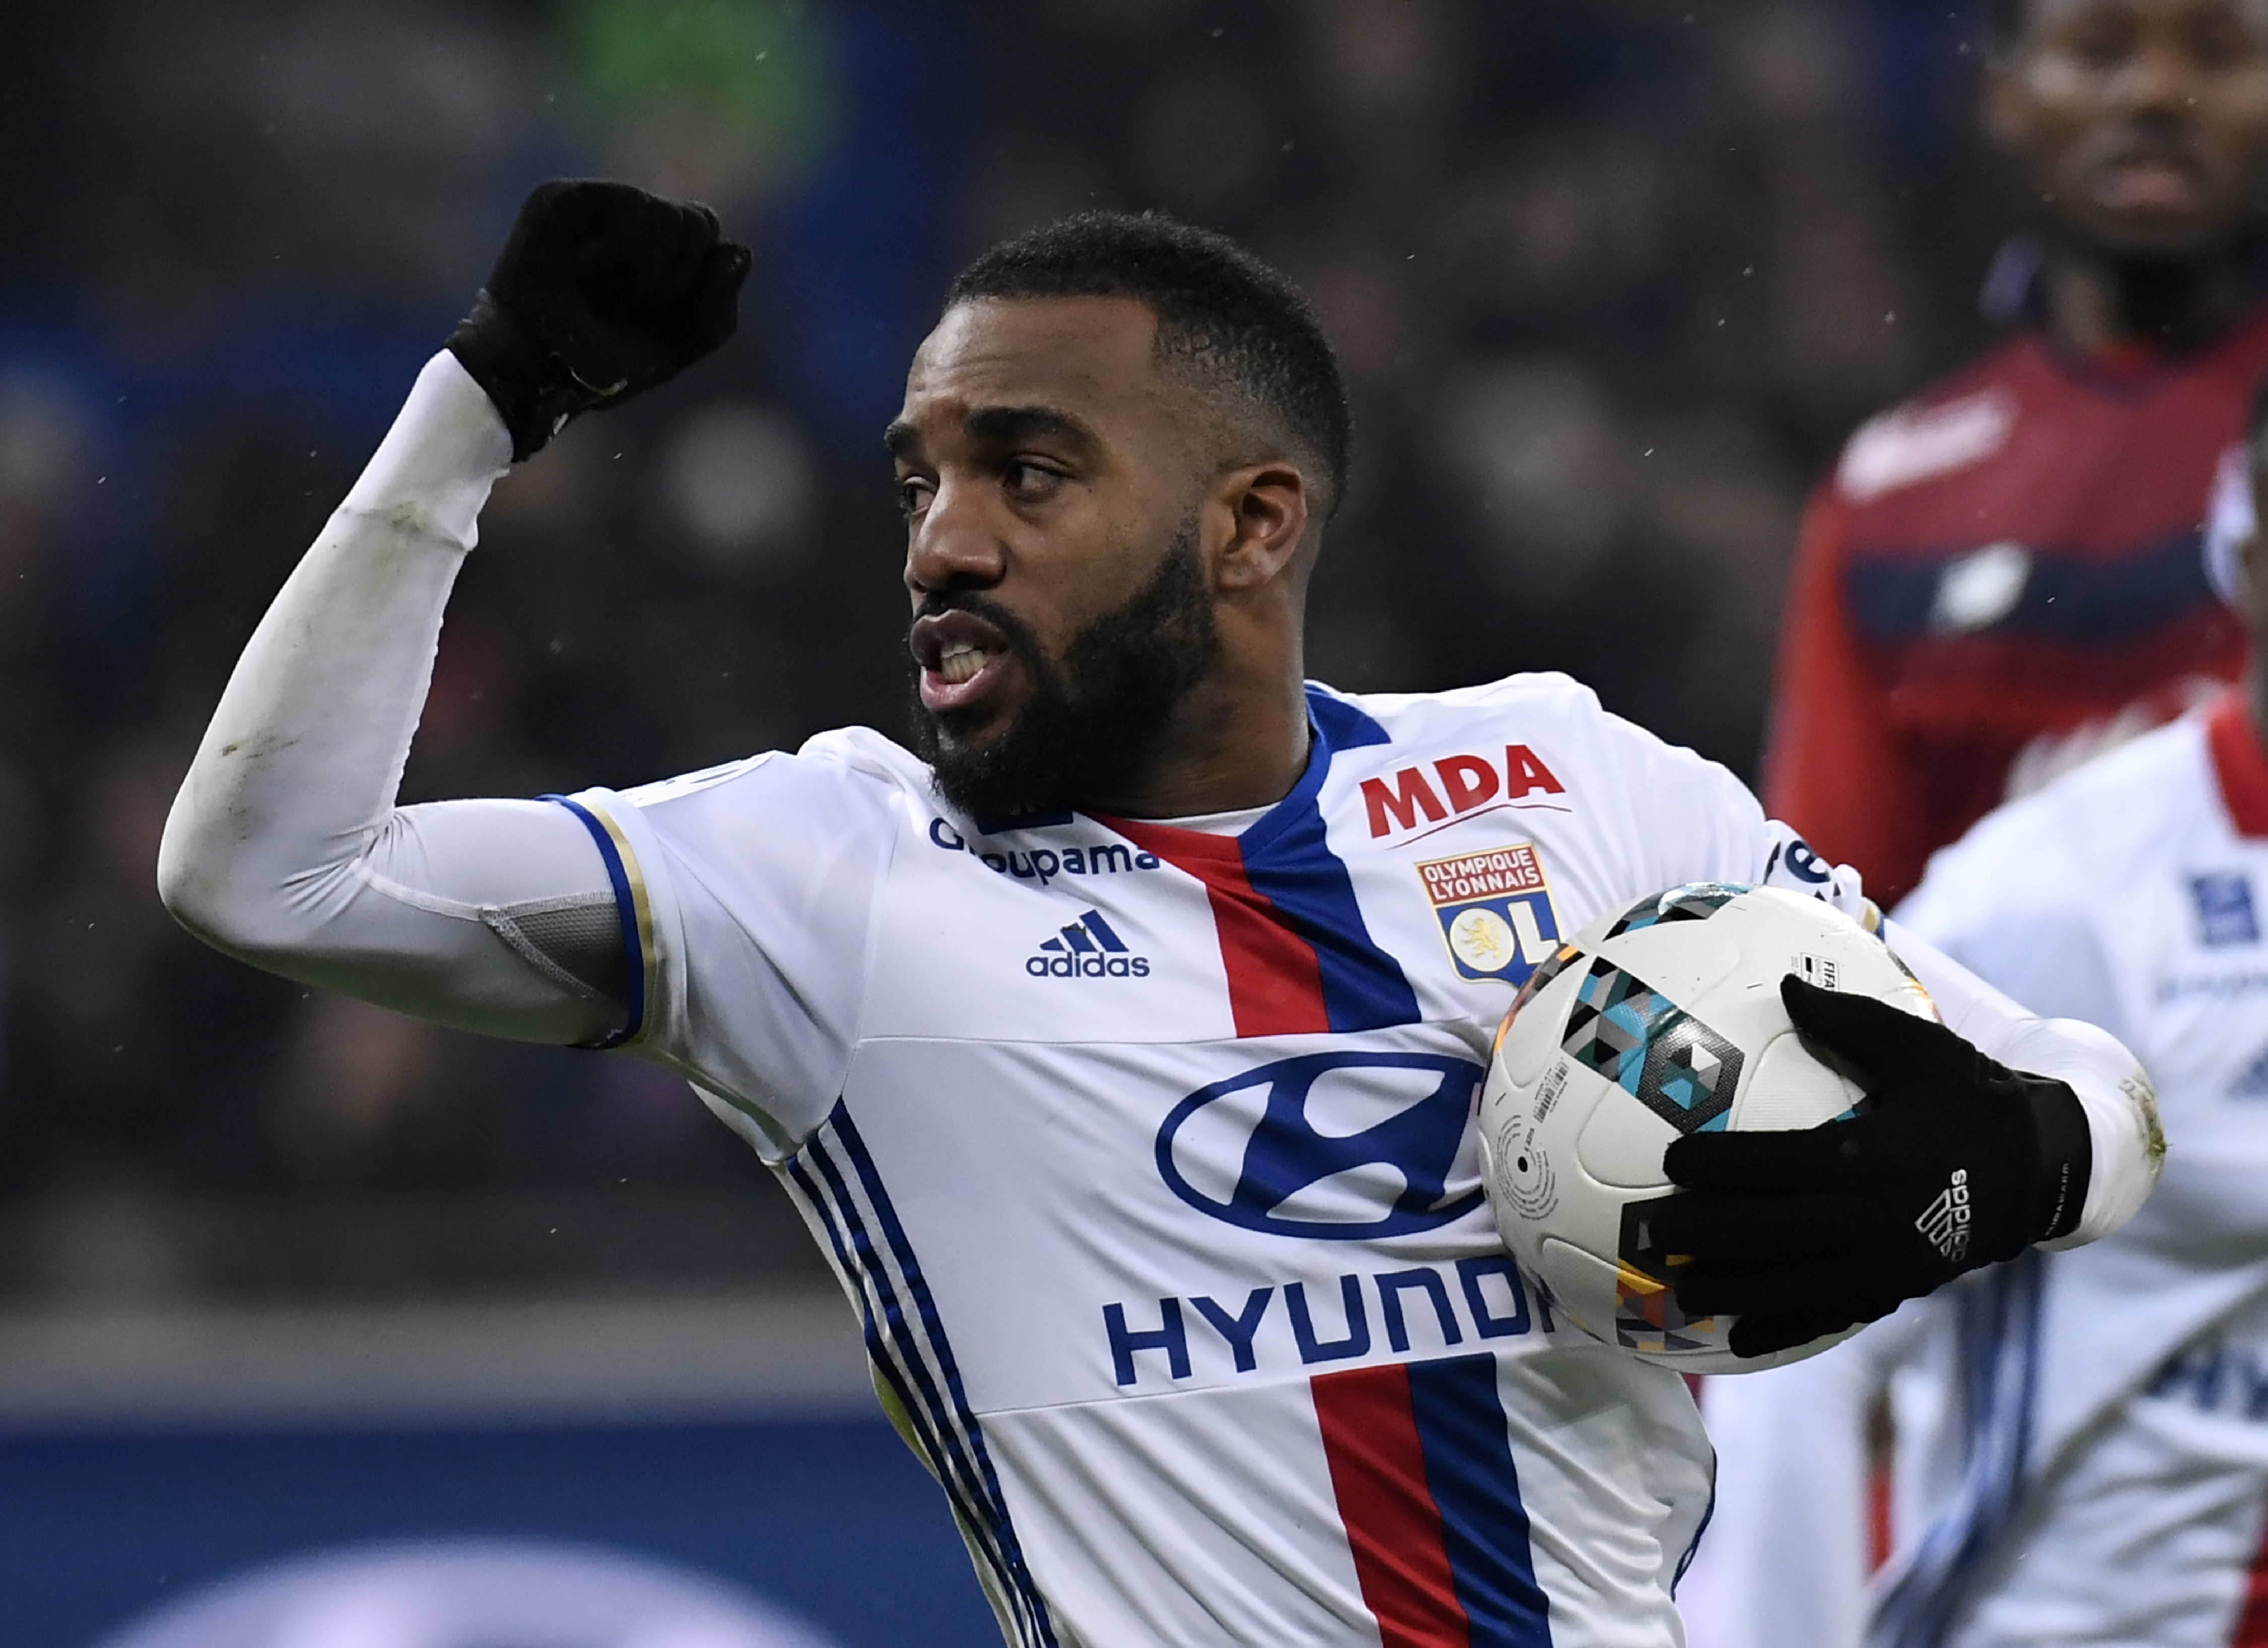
x=2224, y=908
x=1494, y=909
x=1086, y=949
x=1341, y=1146
x=1402, y=1297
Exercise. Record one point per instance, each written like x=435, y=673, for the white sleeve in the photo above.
x=2122, y=1111
x=1704, y=825
x=1690, y=820
x=753, y=889
x=285, y=846
x=1989, y=908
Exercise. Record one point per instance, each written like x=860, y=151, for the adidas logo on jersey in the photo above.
x=1086, y=949
x=1945, y=1222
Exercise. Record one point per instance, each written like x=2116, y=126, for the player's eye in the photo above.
x=1028, y=482
x=2100, y=43
x=2218, y=42
x=914, y=493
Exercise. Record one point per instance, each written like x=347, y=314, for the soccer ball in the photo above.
x=1663, y=1020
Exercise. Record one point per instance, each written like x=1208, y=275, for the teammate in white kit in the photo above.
x=1121, y=1046
x=2082, y=1437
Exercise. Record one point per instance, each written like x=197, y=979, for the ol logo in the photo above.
x=1328, y=1146
x=1495, y=911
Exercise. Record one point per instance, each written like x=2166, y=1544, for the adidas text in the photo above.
x=1945, y=1222
x=1088, y=948
x=1087, y=966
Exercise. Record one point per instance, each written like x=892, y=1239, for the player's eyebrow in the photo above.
x=999, y=427
x=1012, y=426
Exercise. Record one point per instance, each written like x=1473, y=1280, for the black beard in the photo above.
x=2165, y=298
x=1093, y=723
x=2169, y=299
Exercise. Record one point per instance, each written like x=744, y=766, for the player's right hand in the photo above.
x=1956, y=1162
x=601, y=290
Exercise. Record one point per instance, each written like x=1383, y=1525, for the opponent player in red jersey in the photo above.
x=2005, y=570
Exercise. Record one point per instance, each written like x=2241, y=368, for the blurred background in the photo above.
x=1613, y=278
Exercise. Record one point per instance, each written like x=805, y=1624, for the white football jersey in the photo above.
x=1145, y=1155
x=1145, y=1151
x=2083, y=1436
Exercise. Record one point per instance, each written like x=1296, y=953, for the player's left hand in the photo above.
x=1953, y=1162
x=601, y=290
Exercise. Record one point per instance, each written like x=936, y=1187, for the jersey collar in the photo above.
x=1333, y=726
x=2239, y=762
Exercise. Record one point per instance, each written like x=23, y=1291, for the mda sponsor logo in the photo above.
x=1087, y=948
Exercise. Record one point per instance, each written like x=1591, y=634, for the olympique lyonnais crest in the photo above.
x=1495, y=910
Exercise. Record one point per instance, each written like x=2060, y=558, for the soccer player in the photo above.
x=2003, y=573
x=1120, y=1039
x=2083, y=1437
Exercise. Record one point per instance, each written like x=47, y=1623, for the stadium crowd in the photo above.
x=1613, y=280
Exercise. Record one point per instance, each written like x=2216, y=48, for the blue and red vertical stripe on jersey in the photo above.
x=1421, y=1465
x=1298, y=957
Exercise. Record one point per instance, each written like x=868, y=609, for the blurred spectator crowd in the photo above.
x=1612, y=279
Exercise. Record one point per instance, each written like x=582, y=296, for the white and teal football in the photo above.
x=1661, y=1019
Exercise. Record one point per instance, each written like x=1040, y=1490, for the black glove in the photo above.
x=602, y=290
x=1953, y=1162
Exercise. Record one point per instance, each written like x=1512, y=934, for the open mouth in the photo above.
x=961, y=661
x=963, y=657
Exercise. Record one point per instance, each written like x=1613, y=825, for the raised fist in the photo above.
x=601, y=290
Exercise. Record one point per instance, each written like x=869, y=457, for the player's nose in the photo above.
x=956, y=543
x=2158, y=79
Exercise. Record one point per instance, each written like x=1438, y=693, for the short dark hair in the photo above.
x=1231, y=318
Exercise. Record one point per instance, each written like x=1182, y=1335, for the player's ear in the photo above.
x=1265, y=508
